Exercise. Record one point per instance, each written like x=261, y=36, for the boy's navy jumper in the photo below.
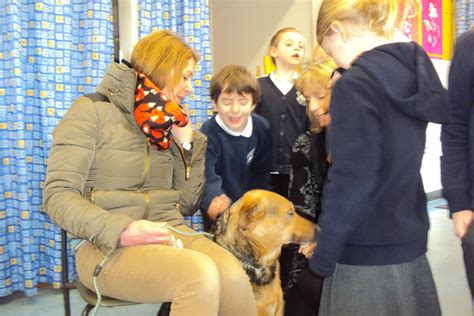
x=236, y=164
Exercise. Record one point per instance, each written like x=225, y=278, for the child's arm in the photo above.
x=455, y=136
x=213, y=186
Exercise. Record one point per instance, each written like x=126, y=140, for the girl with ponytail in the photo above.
x=374, y=221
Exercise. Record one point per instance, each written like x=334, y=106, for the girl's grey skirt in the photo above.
x=401, y=289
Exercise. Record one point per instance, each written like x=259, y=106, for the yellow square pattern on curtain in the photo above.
x=52, y=51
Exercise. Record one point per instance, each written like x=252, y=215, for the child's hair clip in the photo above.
x=301, y=98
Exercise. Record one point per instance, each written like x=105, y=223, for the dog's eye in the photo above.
x=290, y=212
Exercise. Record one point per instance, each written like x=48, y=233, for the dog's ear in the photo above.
x=250, y=213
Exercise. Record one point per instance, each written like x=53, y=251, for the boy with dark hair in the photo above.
x=239, y=154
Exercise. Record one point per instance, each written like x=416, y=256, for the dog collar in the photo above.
x=257, y=273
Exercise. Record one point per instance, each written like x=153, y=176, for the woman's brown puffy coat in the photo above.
x=103, y=173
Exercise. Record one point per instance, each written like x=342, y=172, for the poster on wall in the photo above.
x=431, y=26
x=411, y=26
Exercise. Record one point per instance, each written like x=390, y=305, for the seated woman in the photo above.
x=121, y=173
x=309, y=166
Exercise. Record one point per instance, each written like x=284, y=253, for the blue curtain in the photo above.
x=190, y=20
x=52, y=51
x=464, y=18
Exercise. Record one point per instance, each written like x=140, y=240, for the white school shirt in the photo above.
x=247, y=131
x=283, y=85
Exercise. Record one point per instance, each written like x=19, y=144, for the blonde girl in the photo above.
x=278, y=104
x=374, y=222
x=285, y=115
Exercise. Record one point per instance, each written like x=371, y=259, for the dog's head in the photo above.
x=268, y=221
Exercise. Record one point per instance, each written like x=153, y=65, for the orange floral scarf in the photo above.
x=155, y=114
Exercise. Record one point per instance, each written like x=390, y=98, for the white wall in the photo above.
x=242, y=29
x=128, y=26
x=430, y=168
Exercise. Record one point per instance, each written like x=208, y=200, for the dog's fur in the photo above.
x=253, y=230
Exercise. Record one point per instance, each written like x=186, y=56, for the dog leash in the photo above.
x=206, y=234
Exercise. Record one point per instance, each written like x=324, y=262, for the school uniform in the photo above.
x=374, y=221
x=236, y=162
x=287, y=119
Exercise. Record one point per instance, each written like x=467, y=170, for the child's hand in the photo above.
x=307, y=249
x=218, y=205
x=461, y=222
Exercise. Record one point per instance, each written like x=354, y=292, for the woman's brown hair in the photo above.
x=162, y=57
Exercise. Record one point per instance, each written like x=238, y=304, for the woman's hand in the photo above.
x=218, y=205
x=307, y=249
x=183, y=134
x=461, y=222
x=144, y=232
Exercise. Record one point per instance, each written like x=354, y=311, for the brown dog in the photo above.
x=253, y=230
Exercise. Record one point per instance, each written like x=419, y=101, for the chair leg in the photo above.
x=87, y=309
x=165, y=309
x=67, y=305
x=64, y=272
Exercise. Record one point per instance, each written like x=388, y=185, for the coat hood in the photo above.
x=118, y=84
x=409, y=80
